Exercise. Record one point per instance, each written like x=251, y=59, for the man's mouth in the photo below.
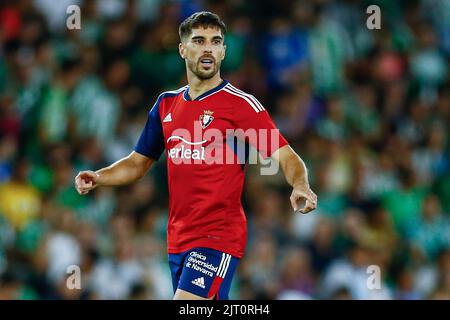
x=206, y=62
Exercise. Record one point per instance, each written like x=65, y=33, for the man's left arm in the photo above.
x=296, y=175
x=248, y=114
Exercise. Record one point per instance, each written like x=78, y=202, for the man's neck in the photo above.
x=198, y=86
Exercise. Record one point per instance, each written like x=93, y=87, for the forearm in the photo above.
x=121, y=172
x=296, y=174
x=293, y=167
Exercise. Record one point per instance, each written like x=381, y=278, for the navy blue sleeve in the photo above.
x=151, y=141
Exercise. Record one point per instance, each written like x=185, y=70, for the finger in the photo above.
x=88, y=184
x=83, y=191
x=310, y=196
x=87, y=178
x=296, y=197
x=77, y=184
x=80, y=190
x=312, y=199
x=83, y=184
x=80, y=180
x=309, y=206
x=88, y=175
x=294, y=202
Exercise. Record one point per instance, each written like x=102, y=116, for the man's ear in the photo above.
x=224, y=51
x=181, y=50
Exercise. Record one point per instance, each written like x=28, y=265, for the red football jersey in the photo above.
x=206, y=142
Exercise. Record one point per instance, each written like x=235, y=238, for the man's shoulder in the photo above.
x=172, y=93
x=165, y=95
x=243, y=99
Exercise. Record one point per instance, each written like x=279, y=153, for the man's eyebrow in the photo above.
x=202, y=37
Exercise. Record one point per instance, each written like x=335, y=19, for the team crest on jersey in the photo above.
x=206, y=118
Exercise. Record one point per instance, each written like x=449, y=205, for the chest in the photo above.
x=196, y=118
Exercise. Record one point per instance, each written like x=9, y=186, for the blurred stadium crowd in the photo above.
x=368, y=111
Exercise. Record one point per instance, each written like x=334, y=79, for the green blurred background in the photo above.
x=368, y=111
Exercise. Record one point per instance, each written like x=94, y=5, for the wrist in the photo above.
x=301, y=183
x=100, y=178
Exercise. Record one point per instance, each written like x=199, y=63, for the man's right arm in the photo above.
x=121, y=172
x=148, y=149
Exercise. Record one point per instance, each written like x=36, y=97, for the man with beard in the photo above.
x=206, y=128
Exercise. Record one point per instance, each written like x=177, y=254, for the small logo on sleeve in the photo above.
x=168, y=118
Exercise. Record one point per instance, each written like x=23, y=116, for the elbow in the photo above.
x=141, y=169
x=140, y=174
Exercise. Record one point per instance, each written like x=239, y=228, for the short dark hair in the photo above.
x=201, y=19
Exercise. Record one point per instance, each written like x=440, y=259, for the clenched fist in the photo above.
x=86, y=181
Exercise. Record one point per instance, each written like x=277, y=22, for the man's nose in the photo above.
x=208, y=48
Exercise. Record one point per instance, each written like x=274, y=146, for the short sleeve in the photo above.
x=151, y=140
x=257, y=127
